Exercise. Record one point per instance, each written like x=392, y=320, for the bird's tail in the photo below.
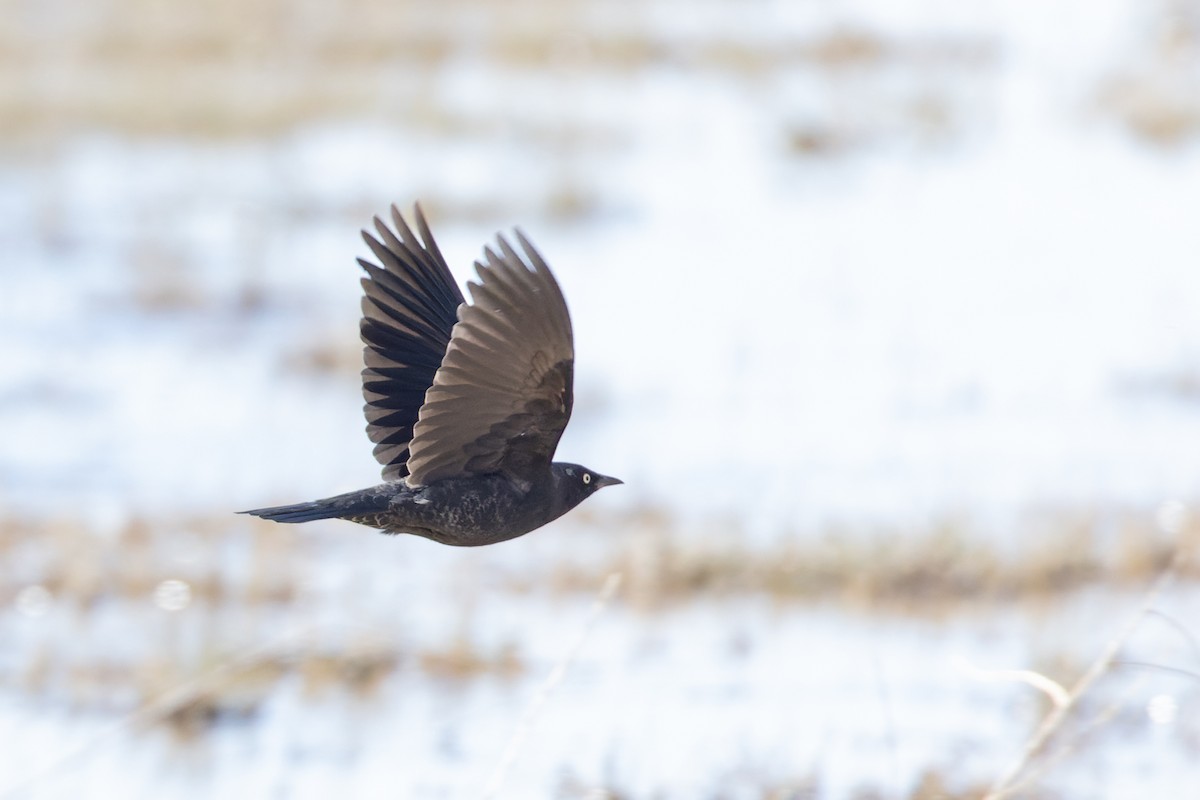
x=297, y=512
x=344, y=505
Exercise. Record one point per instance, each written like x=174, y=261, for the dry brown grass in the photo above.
x=462, y=659
x=220, y=68
x=217, y=658
x=945, y=569
x=232, y=694
x=937, y=570
x=1153, y=108
x=1155, y=94
x=360, y=670
x=946, y=563
x=934, y=784
x=232, y=688
x=82, y=567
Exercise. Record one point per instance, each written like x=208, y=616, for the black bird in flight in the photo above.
x=465, y=403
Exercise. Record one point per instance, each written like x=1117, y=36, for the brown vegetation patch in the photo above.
x=220, y=68
x=931, y=571
x=1155, y=94
x=360, y=670
x=462, y=659
x=82, y=567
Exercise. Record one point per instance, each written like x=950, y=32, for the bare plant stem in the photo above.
x=1007, y=784
x=1031, y=776
x=521, y=732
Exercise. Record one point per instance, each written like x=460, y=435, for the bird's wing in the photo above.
x=503, y=394
x=409, y=309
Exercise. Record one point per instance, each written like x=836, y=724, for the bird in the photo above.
x=465, y=402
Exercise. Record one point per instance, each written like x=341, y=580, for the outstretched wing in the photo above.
x=409, y=309
x=503, y=395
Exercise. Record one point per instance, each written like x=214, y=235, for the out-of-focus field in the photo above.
x=887, y=316
x=224, y=68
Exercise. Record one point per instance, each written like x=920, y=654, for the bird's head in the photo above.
x=575, y=483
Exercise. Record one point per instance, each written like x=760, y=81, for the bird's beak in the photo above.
x=604, y=480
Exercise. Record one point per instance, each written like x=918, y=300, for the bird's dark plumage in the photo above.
x=465, y=403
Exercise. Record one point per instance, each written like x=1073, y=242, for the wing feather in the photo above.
x=409, y=306
x=503, y=394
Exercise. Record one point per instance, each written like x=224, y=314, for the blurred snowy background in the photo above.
x=887, y=313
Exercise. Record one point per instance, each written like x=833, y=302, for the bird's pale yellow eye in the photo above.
x=587, y=477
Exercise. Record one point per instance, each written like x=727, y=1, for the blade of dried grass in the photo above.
x=521, y=732
x=1054, y=690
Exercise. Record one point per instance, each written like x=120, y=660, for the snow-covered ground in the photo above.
x=924, y=271
x=742, y=697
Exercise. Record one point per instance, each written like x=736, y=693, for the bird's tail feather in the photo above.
x=297, y=512
x=344, y=505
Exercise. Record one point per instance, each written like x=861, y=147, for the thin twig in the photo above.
x=521, y=732
x=1180, y=628
x=1183, y=673
x=889, y=721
